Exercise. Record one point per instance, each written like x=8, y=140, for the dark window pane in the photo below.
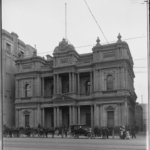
x=109, y=82
x=26, y=120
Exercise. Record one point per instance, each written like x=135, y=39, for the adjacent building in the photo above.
x=139, y=117
x=12, y=49
x=94, y=88
x=145, y=116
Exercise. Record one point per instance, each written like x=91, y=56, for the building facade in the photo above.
x=12, y=48
x=96, y=88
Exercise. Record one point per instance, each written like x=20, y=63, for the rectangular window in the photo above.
x=110, y=86
x=8, y=47
x=26, y=120
x=110, y=118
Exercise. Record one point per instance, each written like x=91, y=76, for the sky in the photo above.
x=42, y=23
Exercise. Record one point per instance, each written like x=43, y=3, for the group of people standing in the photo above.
x=103, y=131
x=127, y=133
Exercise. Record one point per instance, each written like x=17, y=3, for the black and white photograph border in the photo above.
x=74, y=74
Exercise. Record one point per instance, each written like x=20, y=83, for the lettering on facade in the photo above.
x=64, y=61
x=110, y=54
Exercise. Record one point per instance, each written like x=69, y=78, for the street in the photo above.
x=82, y=143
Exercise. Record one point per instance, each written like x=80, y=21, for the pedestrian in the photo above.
x=133, y=132
x=107, y=132
x=103, y=132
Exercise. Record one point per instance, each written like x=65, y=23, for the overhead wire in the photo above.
x=95, y=20
x=94, y=44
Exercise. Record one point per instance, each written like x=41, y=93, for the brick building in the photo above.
x=12, y=48
x=95, y=88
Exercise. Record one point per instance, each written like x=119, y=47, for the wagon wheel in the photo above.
x=89, y=136
x=77, y=136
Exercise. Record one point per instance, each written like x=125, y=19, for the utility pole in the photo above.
x=1, y=81
x=65, y=21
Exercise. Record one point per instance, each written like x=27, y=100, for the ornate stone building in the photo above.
x=95, y=88
x=12, y=48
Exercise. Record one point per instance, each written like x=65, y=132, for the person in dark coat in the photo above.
x=103, y=132
x=96, y=130
x=133, y=132
x=107, y=132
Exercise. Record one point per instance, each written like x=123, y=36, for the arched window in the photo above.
x=27, y=90
x=110, y=82
x=87, y=87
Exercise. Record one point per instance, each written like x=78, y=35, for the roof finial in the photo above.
x=98, y=41
x=119, y=38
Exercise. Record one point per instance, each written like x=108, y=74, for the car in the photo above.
x=78, y=130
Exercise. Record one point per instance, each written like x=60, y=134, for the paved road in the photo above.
x=82, y=143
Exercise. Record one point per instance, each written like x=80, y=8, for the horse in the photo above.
x=5, y=132
x=26, y=131
x=50, y=130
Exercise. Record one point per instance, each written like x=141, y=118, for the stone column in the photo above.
x=43, y=117
x=57, y=84
x=94, y=85
x=69, y=82
x=91, y=81
x=126, y=112
x=73, y=84
x=123, y=114
x=17, y=118
x=17, y=87
x=60, y=85
x=95, y=115
x=34, y=117
x=116, y=116
x=92, y=123
x=78, y=83
x=78, y=114
x=73, y=115
x=100, y=115
x=55, y=117
x=119, y=115
x=43, y=86
x=60, y=117
x=70, y=115
x=38, y=85
x=54, y=83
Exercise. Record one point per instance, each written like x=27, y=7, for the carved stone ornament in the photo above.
x=119, y=38
x=34, y=53
x=98, y=41
x=63, y=46
x=110, y=108
x=20, y=55
x=26, y=112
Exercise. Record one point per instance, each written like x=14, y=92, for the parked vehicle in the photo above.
x=81, y=130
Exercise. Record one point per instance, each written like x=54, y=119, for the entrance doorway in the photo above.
x=65, y=116
x=88, y=119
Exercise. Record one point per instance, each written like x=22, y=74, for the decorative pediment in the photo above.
x=110, y=108
x=26, y=112
x=63, y=46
